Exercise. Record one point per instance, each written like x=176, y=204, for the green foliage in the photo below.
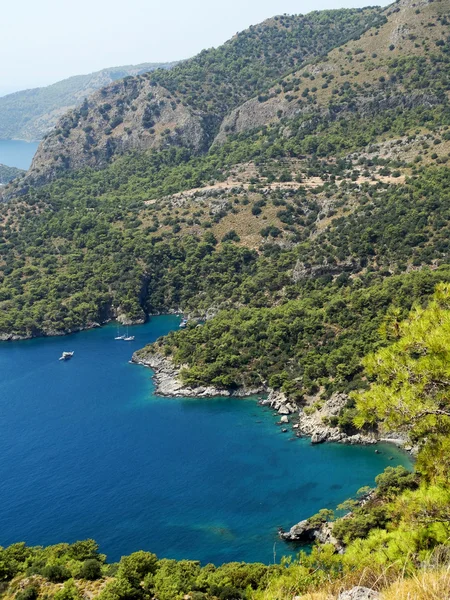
x=360, y=524
x=321, y=517
x=395, y=480
x=91, y=569
x=136, y=566
x=219, y=79
x=56, y=573
x=411, y=388
x=31, y=592
x=295, y=345
x=174, y=578
x=69, y=591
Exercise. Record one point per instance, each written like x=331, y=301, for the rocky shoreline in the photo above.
x=167, y=379
x=120, y=318
x=303, y=421
x=311, y=424
x=13, y=337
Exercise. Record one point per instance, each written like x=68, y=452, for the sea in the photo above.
x=88, y=450
x=17, y=153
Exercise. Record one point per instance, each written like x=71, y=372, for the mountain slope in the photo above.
x=163, y=109
x=30, y=114
x=403, y=63
x=7, y=174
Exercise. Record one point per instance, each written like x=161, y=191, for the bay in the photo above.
x=17, y=153
x=88, y=450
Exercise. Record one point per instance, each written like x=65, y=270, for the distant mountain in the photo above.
x=30, y=114
x=7, y=174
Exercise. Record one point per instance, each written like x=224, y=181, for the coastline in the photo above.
x=14, y=337
x=167, y=382
x=297, y=419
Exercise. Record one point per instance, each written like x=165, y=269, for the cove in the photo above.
x=17, y=153
x=88, y=450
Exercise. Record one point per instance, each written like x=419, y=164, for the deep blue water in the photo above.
x=87, y=450
x=17, y=153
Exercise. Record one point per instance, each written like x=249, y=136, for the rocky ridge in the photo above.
x=30, y=114
x=317, y=90
x=131, y=114
x=198, y=93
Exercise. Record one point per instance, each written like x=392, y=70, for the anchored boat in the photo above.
x=66, y=355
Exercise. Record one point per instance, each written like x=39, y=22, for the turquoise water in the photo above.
x=88, y=450
x=17, y=153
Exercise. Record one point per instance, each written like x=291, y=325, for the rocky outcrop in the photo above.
x=359, y=593
x=313, y=423
x=130, y=114
x=279, y=402
x=304, y=270
x=306, y=532
x=167, y=379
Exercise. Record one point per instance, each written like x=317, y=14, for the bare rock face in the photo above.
x=307, y=533
x=131, y=114
x=253, y=114
x=314, y=425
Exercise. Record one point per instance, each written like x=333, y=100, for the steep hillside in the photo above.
x=185, y=106
x=30, y=114
x=403, y=63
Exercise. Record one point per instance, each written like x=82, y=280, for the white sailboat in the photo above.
x=128, y=338
x=118, y=336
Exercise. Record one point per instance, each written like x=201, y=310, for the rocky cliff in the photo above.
x=131, y=114
x=30, y=114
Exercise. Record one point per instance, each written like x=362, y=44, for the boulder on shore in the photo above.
x=359, y=593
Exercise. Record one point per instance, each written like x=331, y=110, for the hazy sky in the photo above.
x=43, y=41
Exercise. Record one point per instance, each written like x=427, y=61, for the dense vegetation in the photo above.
x=317, y=247
x=318, y=340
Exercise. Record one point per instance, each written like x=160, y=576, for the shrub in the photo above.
x=56, y=573
x=29, y=593
x=91, y=569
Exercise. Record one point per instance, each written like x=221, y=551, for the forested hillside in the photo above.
x=30, y=114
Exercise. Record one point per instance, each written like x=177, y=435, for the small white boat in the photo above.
x=128, y=338
x=118, y=336
x=183, y=323
x=66, y=355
